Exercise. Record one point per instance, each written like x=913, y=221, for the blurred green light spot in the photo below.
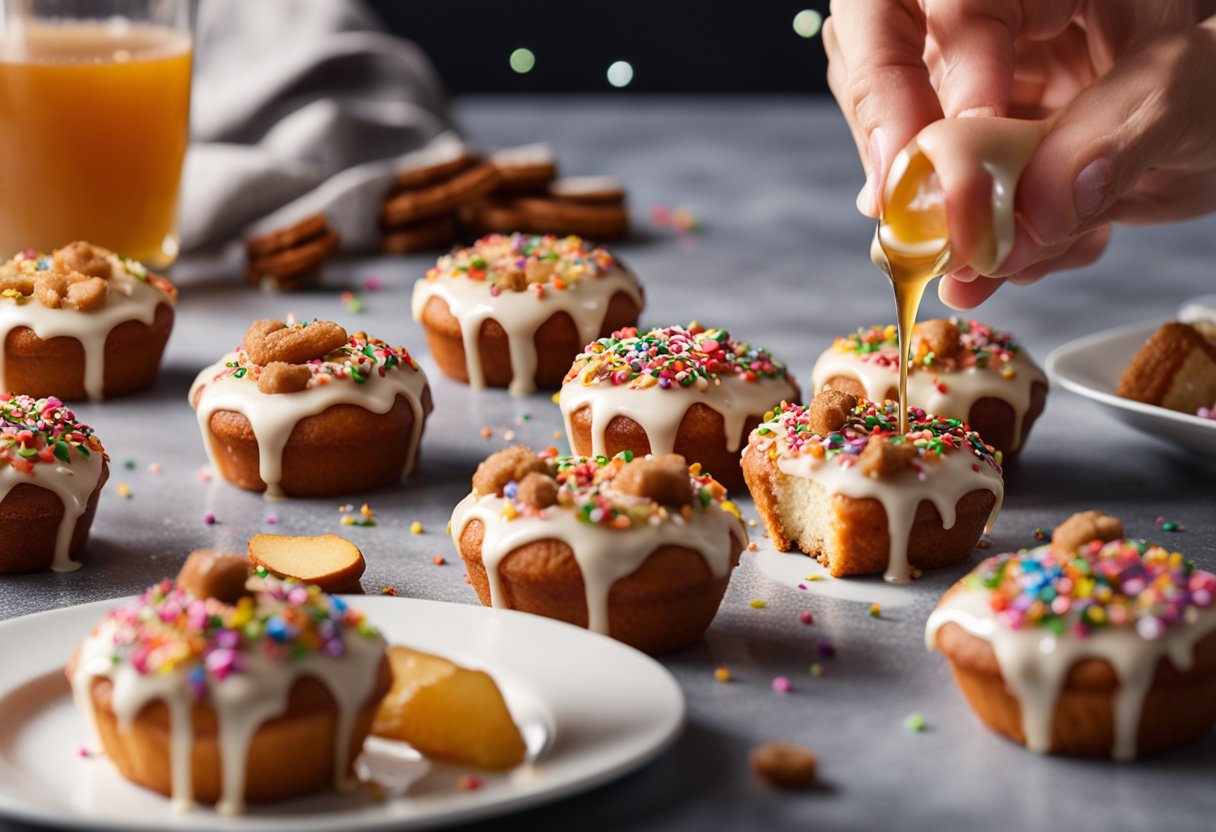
x=620, y=73
x=522, y=60
x=807, y=23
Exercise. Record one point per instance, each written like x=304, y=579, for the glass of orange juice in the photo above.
x=94, y=121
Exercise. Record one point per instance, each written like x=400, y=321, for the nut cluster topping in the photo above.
x=939, y=336
x=829, y=411
x=73, y=277
x=882, y=457
x=1085, y=527
x=268, y=341
x=663, y=479
x=509, y=465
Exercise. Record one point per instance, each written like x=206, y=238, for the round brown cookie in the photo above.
x=491, y=213
x=526, y=168
x=785, y=765
x=440, y=198
x=294, y=261
x=285, y=238
x=593, y=189
x=420, y=236
x=418, y=177
x=599, y=221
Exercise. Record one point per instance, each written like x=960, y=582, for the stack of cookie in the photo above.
x=531, y=198
x=291, y=257
x=420, y=212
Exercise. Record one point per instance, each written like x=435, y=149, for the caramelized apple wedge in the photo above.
x=331, y=562
x=448, y=712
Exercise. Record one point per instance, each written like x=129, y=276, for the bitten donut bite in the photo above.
x=264, y=693
x=960, y=369
x=52, y=468
x=837, y=480
x=640, y=549
x=306, y=410
x=81, y=322
x=686, y=390
x=512, y=311
x=1094, y=645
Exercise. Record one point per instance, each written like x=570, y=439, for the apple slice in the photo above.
x=331, y=562
x=448, y=712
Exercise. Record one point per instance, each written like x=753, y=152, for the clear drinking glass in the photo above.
x=94, y=120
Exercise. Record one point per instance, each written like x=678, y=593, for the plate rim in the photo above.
x=15, y=809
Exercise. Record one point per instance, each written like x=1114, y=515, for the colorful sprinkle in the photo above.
x=981, y=347
x=816, y=669
x=519, y=262
x=124, y=490
x=915, y=722
x=469, y=783
x=806, y=618
x=757, y=604
x=438, y=560
x=42, y=431
x=415, y=527
x=826, y=649
x=875, y=610
x=782, y=684
x=208, y=518
x=722, y=673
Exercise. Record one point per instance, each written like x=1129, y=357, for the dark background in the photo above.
x=673, y=45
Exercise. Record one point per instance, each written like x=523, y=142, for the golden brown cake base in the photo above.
x=29, y=526
x=992, y=418
x=341, y=450
x=849, y=535
x=1180, y=706
x=701, y=438
x=290, y=755
x=55, y=366
x=666, y=605
x=556, y=340
x=1175, y=369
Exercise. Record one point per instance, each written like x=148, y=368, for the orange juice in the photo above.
x=93, y=130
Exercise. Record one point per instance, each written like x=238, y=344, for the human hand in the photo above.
x=1126, y=84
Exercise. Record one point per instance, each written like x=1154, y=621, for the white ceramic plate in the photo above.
x=590, y=708
x=1091, y=367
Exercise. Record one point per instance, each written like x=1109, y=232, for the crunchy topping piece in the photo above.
x=830, y=410
x=13, y=279
x=785, y=765
x=885, y=457
x=537, y=490
x=937, y=337
x=511, y=280
x=209, y=573
x=268, y=341
x=358, y=359
x=84, y=258
x=281, y=377
x=72, y=290
x=663, y=479
x=508, y=465
x=1085, y=527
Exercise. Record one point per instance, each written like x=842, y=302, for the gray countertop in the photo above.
x=781, y=260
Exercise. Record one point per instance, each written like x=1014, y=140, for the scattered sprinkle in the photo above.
x=508, y=435
x=757, y=604
x=469, y=783
x=372, y=283
x=825, y=648
x=486, y=433
x=1168, y=525
x=806, y=618
x=83, y=752
x=209, y=518
x=367, y=516
x=782, y=684
x=353, y=303
x=154, y=468
x=751, y=546
x=875, y=610
x=816, y=669
x=203, y=473
x=813, y=578
x=722, y=673
x=915, y=722
x=389, y=590
x=272, y=519
x=438, y=560
x=751, y=523
x=415, y=527
x=124, y=490
x=129, y=464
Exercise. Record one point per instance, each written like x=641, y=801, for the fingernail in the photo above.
x=978, y=112
x=1089, y=192
x=865, y=199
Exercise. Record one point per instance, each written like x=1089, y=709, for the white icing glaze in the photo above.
x=945, y=482
x=520, y=314
x=242, y=702
x=1035, y=662
x=274, y=416
x=127, y=299
x=604, y=555
x=963, y=388
x=660, y=411
x=73, y=483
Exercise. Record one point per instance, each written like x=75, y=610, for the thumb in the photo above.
x=1151, y=109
